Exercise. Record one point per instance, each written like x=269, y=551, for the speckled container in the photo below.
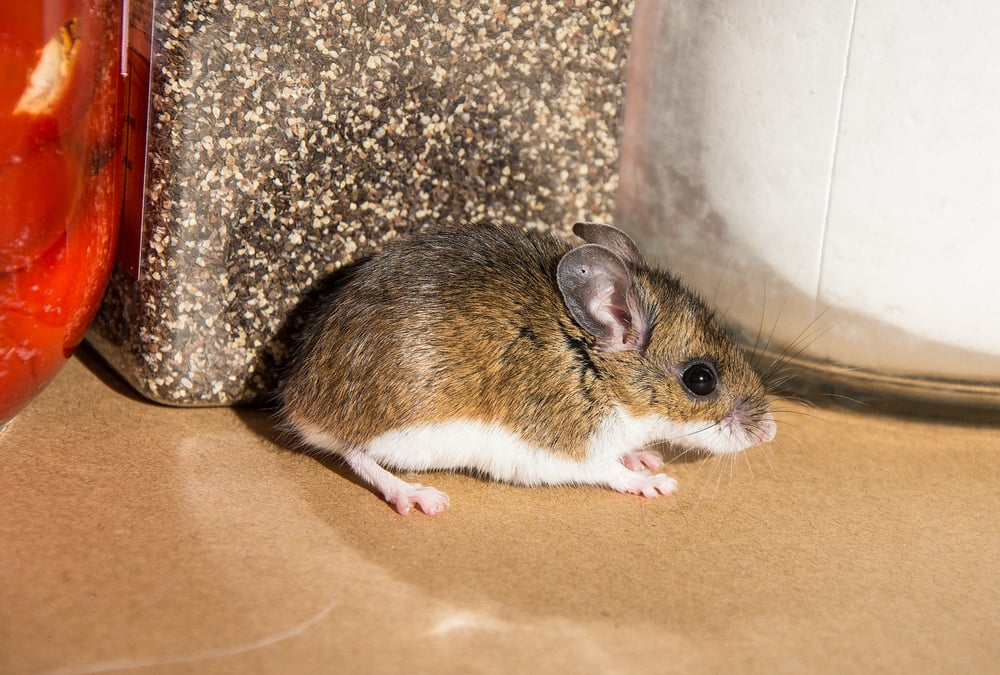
x=286, y=140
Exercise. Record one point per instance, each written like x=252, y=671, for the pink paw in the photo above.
x=650, y=484
x=430, y=500
x=644, y=458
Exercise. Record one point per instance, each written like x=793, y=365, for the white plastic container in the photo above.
x=826, y=173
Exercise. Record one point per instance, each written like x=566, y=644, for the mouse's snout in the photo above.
x=748, y=427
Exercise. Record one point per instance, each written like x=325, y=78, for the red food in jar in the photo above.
x=40, y=191
x=50, y=60
x=60, y=182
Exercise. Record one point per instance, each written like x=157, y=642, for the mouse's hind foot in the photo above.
x=429, y=500
x=402, y=495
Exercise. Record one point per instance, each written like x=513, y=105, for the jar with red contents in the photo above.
x=61, y=90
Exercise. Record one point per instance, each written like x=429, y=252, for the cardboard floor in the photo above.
x=138, y=538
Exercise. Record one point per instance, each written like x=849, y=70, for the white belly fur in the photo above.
x=491, y=450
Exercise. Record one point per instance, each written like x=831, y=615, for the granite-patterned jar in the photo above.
x=285, y=140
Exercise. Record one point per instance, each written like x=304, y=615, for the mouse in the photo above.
x=519, y=356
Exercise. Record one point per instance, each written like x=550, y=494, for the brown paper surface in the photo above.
x=139, y=538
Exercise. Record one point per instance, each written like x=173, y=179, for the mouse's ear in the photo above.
x=600, y=295
x=609, y=237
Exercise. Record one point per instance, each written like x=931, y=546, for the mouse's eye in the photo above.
x=699, y=379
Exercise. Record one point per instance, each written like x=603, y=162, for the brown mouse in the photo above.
x=522, y=358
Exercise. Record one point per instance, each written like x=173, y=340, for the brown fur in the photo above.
x=468, y=322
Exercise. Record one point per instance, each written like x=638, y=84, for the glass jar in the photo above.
x=61, y=92
x=828, y=182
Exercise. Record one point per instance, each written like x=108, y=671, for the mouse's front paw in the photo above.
x=644, y=458
x=429, y=500
x=650, y=484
